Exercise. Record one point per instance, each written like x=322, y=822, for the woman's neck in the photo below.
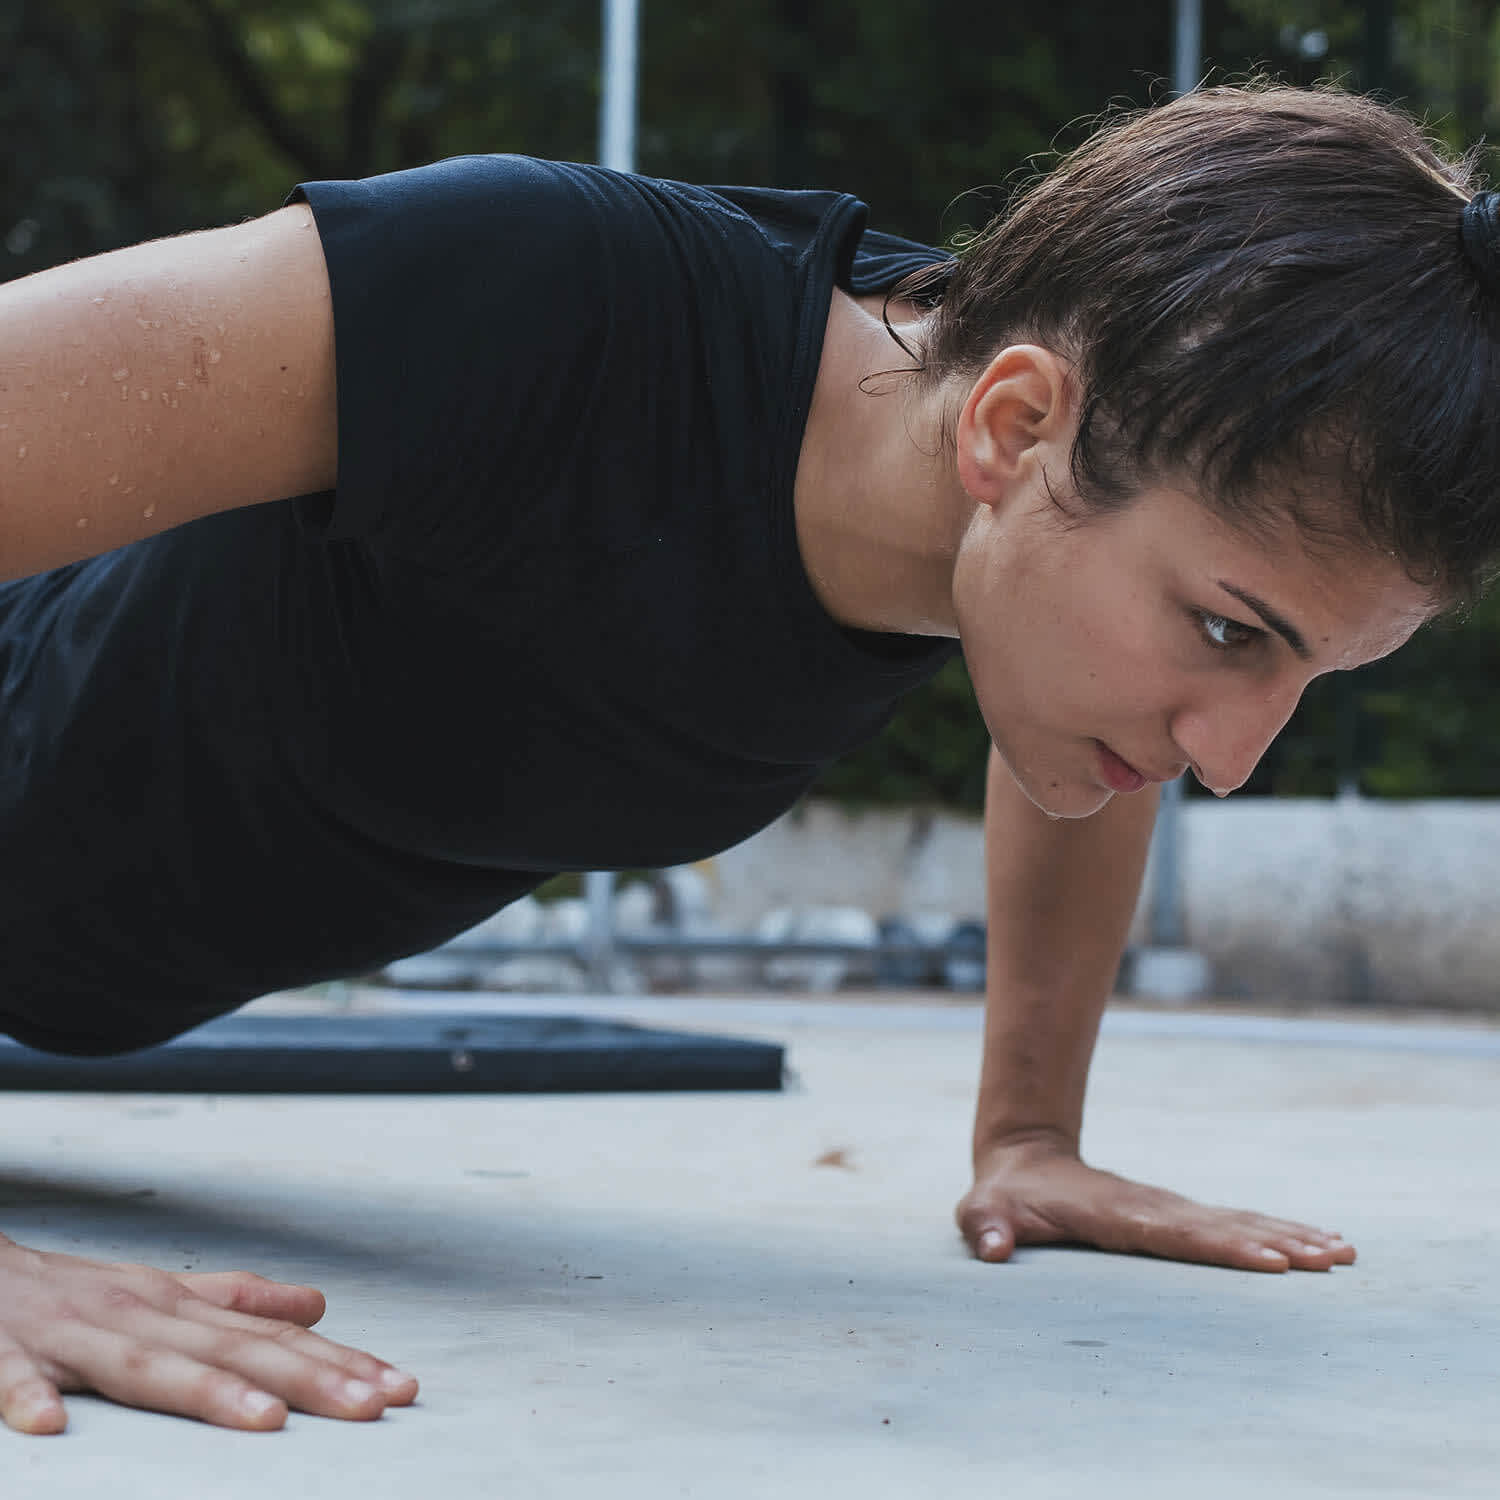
x=879, y=511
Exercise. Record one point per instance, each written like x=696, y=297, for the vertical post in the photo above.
x=599, y=946
x=617, y=91
x=1166, y=967
x=1187, y=52
x=1167, y=927
x=619, y=68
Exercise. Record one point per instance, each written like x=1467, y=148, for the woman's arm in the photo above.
x=153, y=385
x=1061, y=895
x=139, y=390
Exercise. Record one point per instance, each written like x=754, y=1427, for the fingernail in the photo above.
x=359, y=1391
x=394, y=1380
x=1315, y=1249
x=1266, y=1253
x=258, y=1404
x=989, y=1242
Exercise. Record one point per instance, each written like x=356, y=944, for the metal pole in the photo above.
x=617, y=106
x=599, y=945
x=1167, y=927
x=1187, y=58
x=618, y=70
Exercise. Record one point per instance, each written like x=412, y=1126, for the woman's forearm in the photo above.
x=1061, y=896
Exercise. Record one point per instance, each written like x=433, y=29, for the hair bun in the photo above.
x=1481, y=237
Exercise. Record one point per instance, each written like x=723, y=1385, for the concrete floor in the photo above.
x=668, y=1296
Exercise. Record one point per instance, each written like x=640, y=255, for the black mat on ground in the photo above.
x=440, y=1053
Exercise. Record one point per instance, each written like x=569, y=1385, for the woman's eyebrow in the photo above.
x=1279, y=623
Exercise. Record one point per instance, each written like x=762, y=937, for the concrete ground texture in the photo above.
x=740, y=1295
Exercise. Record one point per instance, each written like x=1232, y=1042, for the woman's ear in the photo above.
x=1014, y=411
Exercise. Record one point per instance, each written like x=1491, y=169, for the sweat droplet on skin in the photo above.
x=82, y=522
x=123, y=373
x=149, y=511
x=114, y=478
x=21, y=451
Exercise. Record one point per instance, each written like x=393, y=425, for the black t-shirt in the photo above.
x=554, y=616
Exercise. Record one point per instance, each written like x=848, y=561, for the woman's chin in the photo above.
x=1062, y=799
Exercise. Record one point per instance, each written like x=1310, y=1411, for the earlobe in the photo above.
x=1016, y=407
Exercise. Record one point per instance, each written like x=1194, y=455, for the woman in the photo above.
x=508, y=517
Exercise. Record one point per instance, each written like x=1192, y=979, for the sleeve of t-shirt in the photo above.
x=882, y=260
x=471, y=302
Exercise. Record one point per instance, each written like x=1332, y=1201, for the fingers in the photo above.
x=1279, y=1246
x=121, y=1367
x=245, y=1292
x=1239, y=1241
x=29, y=1402
x=298, y=1377
x=396, y=1387
x=308, y=1372
x=276, y=1358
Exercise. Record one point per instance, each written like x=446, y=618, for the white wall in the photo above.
x=1302, y=901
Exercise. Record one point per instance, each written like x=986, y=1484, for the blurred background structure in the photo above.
x=126, y=119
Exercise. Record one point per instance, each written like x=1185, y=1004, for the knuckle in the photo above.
x=16, y=1370
x=160, y=1288
x=242, y=1287
x=121, y=1299
x=139, y=1363
x=61, y=1313
x=975, y=1210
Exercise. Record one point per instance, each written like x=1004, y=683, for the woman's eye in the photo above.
x=1224, y=634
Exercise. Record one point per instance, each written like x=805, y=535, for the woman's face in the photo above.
x=1115, y=650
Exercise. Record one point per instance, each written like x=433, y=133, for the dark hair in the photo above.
x=1264, y=289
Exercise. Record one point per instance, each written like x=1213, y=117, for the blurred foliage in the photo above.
x=130, y=118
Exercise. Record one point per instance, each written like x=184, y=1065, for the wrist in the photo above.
x=1030, y=1141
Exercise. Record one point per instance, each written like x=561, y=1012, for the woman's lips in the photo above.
x=1119, y=775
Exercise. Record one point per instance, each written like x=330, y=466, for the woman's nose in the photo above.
x=1224, y=739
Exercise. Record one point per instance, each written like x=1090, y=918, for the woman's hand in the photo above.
x=232, y=1349
x=1036, y=1191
